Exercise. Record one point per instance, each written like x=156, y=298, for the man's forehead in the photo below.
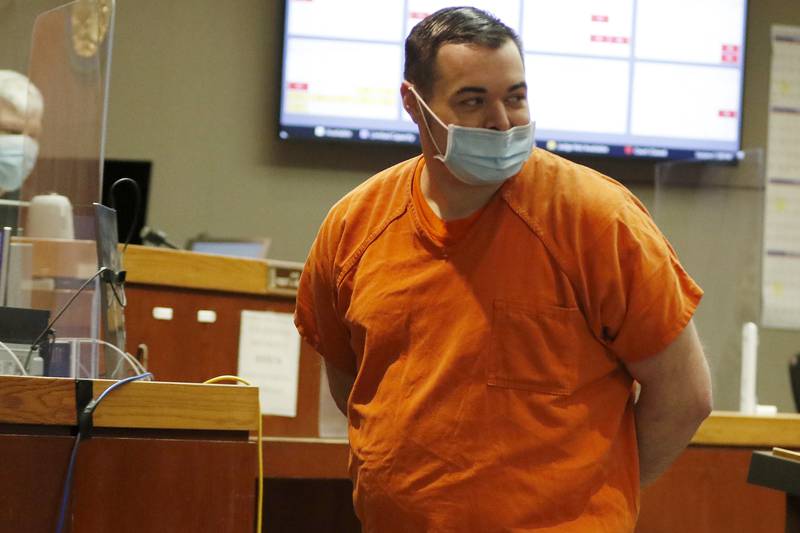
x=469, y=64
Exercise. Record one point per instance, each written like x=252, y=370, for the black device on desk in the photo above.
x=22, y=325
x=19, y=328
x=779, y=470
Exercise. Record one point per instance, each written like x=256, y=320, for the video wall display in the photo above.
x=627, y=78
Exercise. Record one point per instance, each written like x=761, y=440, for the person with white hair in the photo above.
x=21, y=110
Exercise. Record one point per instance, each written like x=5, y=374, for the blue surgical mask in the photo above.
x=480, y=156
x=17, y=156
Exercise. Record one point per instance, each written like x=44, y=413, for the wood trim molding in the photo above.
x=138, y=405
x=731, y=428
x=35, y=400
x=327, y=458
x=191, y=270
x=168, y=405
x=147, y=265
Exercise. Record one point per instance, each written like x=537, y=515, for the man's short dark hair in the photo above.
x=451, y=25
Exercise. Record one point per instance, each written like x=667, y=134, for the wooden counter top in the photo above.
x=183, y=269
x=731, y=428
x=137, y=405
x=287, y=457
x=191, y=270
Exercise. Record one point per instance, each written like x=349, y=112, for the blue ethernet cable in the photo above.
x=87, y=411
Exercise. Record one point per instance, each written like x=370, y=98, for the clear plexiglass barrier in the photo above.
x=51, y=262
x=713, y=214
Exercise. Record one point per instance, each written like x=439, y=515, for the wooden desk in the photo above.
x=184, y=349
x=706, y=489
x=163, y=457
x=775, y=470
x=307, y=488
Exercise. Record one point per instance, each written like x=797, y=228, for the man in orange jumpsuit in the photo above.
x=484, y=310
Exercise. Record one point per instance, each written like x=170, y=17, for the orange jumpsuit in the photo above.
x=490, y=393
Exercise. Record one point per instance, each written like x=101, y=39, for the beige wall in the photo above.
x=194, y=89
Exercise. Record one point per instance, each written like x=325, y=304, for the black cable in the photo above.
x=48, y=329
x=121, y=300
x=156, y=237
x=116, y=280
x=135, y=221
x=87, y=412
x=67, y=484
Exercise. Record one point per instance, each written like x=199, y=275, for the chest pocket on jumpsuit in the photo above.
x=537, y=348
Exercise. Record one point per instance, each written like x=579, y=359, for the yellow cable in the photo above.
x=259, y=515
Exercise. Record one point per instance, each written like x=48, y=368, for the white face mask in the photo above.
x=18, y=154
x=480, y=156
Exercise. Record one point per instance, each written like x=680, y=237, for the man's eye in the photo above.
x=472, y=102
x=517, y=98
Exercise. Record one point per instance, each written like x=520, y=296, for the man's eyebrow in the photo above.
x=480, y=90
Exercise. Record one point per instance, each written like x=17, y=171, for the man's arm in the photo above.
x=674, y=400
x=340, y=384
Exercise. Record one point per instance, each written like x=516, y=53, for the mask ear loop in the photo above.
x=420, y=103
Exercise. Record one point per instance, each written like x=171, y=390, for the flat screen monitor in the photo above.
x=249, y=248
x=628, y=78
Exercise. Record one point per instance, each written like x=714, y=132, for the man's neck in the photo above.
x=450, y=198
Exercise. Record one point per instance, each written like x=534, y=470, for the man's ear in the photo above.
x=409, y=102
